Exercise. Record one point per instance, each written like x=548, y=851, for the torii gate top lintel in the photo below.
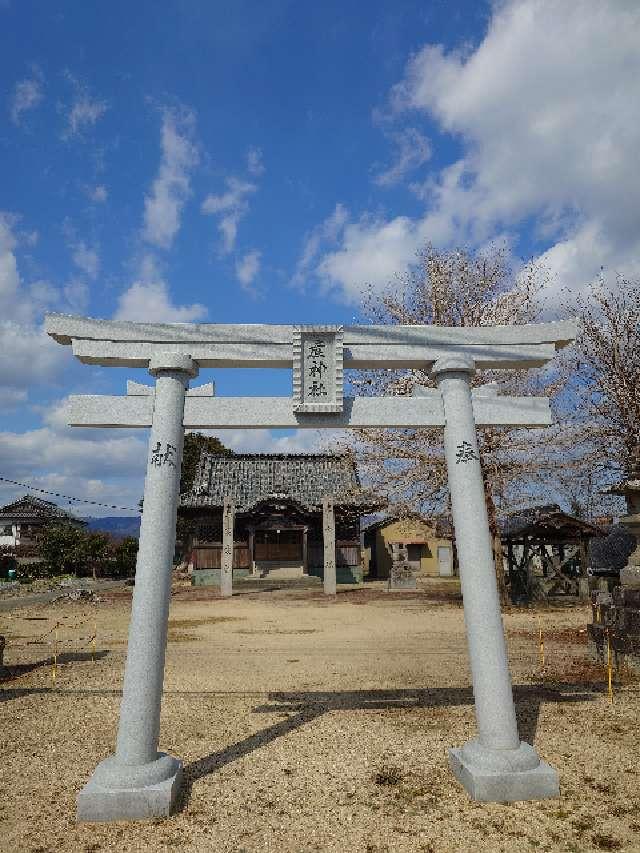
x=127, y=344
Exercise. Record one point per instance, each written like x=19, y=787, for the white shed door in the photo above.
x=445, y=561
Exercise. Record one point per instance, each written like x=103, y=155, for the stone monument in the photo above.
x=402, y=574
x=630, y=575
x=138, y=781
x=616, y=616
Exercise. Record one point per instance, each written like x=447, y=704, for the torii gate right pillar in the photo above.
x=496, y=765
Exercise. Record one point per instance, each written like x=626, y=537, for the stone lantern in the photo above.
x=630, y=489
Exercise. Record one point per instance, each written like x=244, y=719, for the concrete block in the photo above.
x=97, y=803
x=504, y=786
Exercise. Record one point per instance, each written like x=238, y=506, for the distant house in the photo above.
x=278, y=528
x=22, y=522
x=429, y=546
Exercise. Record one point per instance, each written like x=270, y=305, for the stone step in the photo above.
x=249, y=584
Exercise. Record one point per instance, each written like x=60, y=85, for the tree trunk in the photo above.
x=498, y=557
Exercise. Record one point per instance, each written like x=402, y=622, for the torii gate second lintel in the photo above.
x=138, y=782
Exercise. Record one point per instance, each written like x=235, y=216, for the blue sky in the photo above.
x=262, y=162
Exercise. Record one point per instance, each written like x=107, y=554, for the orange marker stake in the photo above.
x=609, y=668
x=55, y=655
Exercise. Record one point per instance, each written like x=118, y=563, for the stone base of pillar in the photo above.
x=503, y=776
x=124, y=792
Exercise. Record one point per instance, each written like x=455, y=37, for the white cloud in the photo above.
x=29, y=356
x=76, y=294
x=346, y=255
x=10, y=398
x=172, y=186
x=547, y=112
x=83, y=111
x=255, y=165
x=71, y=453
x=148, y=300
x=412, y=151
x=272, y=441
x=247, y=268
x=99, y=465
x=320, y=238
x=26, y=95
x=19, y=304
x=86, y=258
x=9, y=278
x=372, y=252
x=98, y=194
x=151, y=303
x=230, y=207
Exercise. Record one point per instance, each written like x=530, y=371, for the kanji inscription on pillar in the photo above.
x=465, y=452
x=317, y=369
x=226, y=564
x=163, y=454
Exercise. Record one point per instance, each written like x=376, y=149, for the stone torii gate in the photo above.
x=138, y=781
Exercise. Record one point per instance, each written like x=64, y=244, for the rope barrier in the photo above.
x=67, y=497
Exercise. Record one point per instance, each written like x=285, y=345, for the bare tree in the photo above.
x=460, y=288
x=607, y=377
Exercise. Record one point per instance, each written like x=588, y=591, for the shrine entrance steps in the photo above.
x=267, y=584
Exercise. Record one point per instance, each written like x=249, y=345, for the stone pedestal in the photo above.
x=497, y=765
x=138, y=782
x=616, y=620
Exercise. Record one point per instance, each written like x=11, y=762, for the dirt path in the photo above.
x=306, y=725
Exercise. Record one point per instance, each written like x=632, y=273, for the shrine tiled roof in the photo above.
x=248, y=478
x=30, y=508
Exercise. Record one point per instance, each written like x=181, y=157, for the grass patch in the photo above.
x=181, y=637
x=606, y=842
x=276, y=631
x=179, y=624
x=388, y=774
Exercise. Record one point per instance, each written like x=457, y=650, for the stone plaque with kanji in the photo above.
x=317, y=369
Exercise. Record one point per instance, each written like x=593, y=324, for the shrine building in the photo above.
x=278, y=530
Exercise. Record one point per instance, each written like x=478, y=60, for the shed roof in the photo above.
x=30, y=508
x=248, y=478
x=548, y=519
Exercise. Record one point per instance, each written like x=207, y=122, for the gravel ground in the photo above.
x=309, y=725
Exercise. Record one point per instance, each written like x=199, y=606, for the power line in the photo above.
x=68, y=497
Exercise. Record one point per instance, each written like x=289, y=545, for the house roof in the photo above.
x=31, y=508
x=440, y=526
x=550, y=519
x=248, y=478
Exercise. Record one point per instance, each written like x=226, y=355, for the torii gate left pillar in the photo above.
x=138, y=781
